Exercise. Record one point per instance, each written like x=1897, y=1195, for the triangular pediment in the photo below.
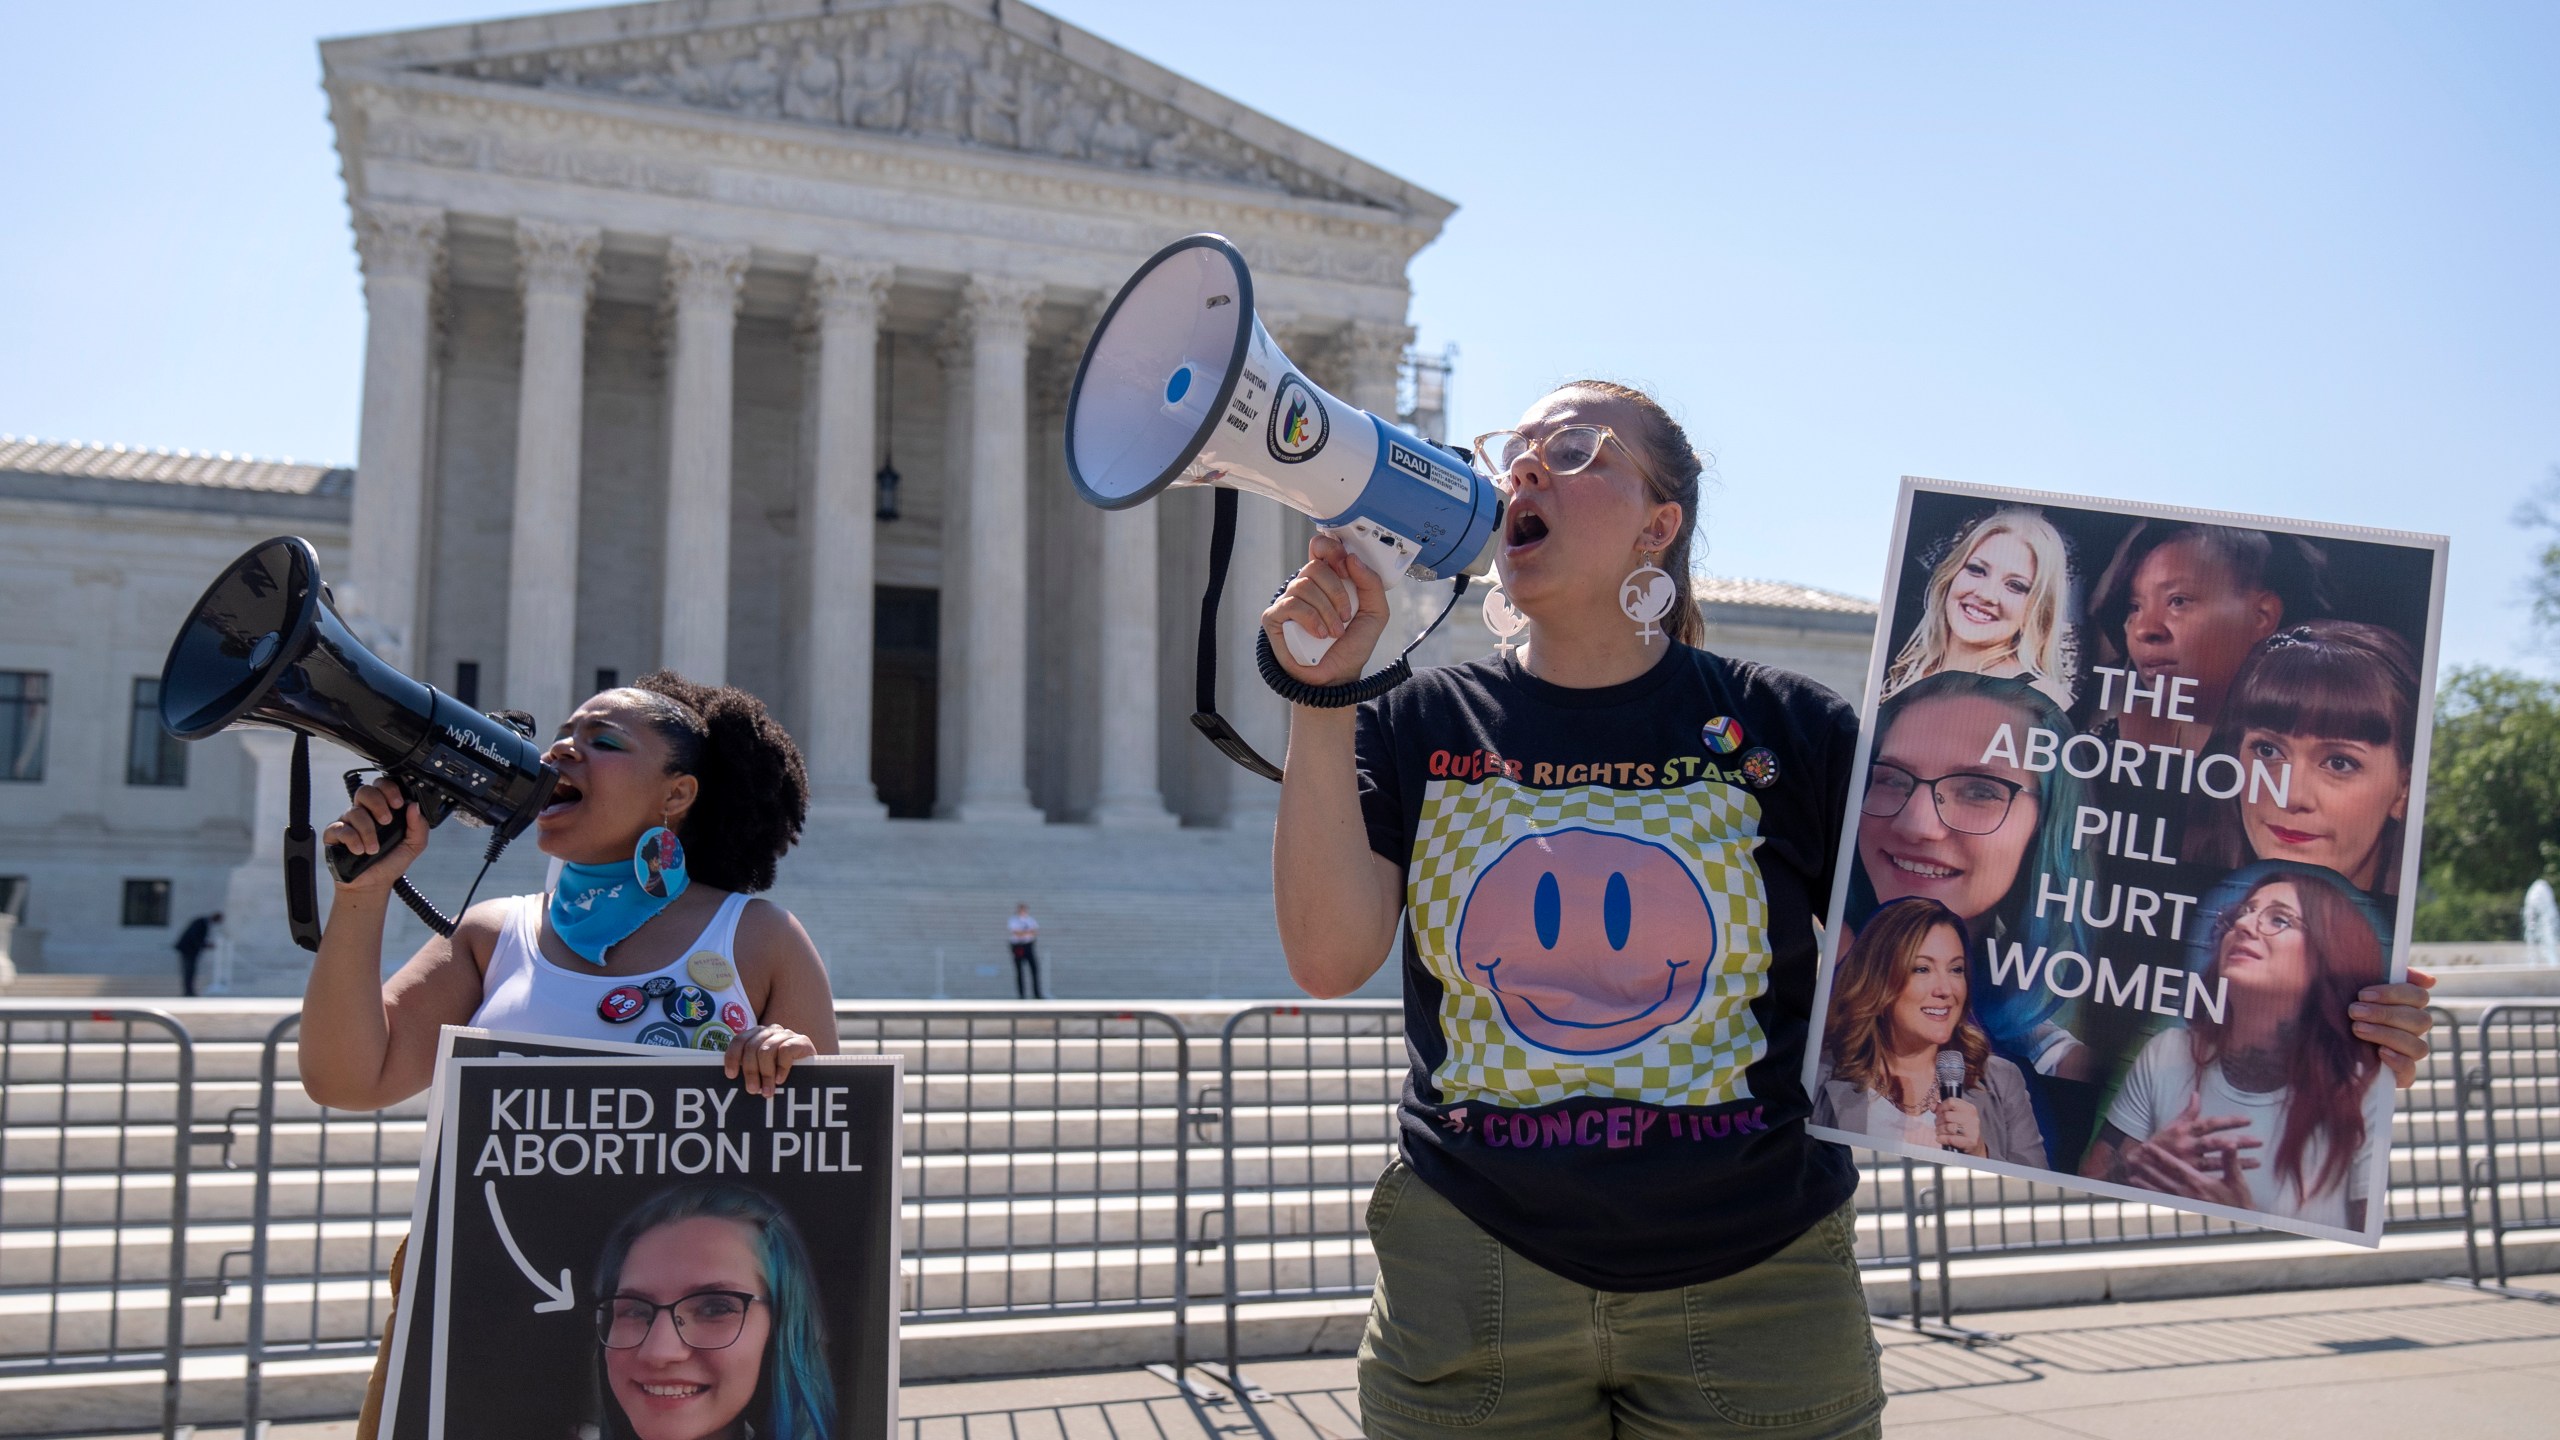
x=1025, y=84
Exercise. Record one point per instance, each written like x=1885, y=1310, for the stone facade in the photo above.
x=653, y=291
x=102, y=552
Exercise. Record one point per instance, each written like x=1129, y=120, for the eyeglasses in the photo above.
x=1568, y=450
x=2269, y=919
x=1967, y=804
x=704, y=1320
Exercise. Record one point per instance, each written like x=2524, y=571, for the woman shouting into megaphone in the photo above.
x=1608, y=847
x=1601, y=855
x=675, y=803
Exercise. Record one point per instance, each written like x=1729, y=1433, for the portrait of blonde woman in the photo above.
x=1997, y=605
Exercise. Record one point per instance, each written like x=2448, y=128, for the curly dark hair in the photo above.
x=754, y=793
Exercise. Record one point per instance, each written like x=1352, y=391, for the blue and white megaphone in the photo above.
x=1181, y=385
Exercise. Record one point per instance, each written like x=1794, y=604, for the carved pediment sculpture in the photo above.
x=923, y=71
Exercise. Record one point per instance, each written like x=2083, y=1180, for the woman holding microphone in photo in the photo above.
x=1900, y=1005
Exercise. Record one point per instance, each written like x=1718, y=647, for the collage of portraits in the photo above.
x=2137, y=819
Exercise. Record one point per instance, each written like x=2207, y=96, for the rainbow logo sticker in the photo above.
x=1723, y=734
x=1299, y=425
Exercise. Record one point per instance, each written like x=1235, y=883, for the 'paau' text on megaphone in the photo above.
x=1181, y=385
x=265, y=647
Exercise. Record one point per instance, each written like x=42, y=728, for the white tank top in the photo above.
x=699, y=1002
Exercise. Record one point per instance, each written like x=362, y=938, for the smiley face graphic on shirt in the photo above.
x=1592, y=942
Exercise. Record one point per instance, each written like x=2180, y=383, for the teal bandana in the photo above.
x=596, y=907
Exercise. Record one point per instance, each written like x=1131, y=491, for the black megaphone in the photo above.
x=265, y=646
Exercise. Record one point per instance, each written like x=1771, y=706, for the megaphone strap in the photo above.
x=1205, y=716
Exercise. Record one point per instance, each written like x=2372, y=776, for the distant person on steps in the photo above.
x=1022, y=933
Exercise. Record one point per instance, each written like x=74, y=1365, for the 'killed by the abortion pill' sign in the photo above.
x=635, y=1247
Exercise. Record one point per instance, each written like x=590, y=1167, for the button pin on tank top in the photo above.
x=621, y=1004
x=657, y=986
x=734, y=1015
x=688, y=1006
x=711, y=970
x=714, y=1036
x=661, y=1033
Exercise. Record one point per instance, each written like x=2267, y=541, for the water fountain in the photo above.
x=2541, y=925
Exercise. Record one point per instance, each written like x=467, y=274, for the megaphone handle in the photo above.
x=431, y=807
x=1308, y=649
x=347, y=864
x=1383, y=560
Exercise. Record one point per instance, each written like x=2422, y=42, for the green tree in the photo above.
x=2493, y=802
x=2541, y=511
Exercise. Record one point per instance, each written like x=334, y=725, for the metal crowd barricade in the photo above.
x=1307, y=1095
x=1047, y=1155
x=97, y=1111
x=2517, y=1092
x=331, y=1205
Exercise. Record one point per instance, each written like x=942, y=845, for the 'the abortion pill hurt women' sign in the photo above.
x=2136, y=819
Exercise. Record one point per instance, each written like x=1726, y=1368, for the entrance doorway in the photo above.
x=906, y=679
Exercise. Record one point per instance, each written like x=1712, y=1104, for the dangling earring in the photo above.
x=1502, y=620
x=658, y=862
x=1646, y=595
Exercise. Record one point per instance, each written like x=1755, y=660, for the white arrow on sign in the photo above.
x=563, y=1295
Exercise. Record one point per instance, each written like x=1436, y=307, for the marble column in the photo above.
x=703, y=281
x=845, y=300
x=998, y=657
x=1128, y=795
x=402, y=248
x=1372, y=354
x=557, y=274
x=951, y=697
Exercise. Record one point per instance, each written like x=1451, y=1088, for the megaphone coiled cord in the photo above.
x=1351, y=692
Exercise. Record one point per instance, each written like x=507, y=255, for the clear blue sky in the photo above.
x=2296, y=259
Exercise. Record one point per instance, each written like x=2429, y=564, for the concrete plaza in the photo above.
x=2315, y=1364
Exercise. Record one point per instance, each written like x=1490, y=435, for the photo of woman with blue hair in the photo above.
x=1945, y=818
x=708, y=1323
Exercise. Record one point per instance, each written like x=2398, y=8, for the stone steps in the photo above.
x=1170, y=913
x=1073, y=1110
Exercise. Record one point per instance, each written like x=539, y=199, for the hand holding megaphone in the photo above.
x=379, y=821
x=1327, y=622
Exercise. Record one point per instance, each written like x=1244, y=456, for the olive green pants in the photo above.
x=1467, y=1338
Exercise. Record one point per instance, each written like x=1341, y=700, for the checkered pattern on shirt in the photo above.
x=1699, y=1060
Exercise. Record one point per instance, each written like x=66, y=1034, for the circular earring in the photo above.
x=1646, y=595
x=658, y=862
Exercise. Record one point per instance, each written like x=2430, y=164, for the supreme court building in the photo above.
x=734, y=336
x=656, y=291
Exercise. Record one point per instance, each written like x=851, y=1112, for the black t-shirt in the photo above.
x=1609, y=955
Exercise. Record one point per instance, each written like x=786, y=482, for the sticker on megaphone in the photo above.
x=1182, y=385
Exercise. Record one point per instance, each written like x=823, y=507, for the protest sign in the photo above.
x=630, y=1247
x=2136, y=816
x=404, y=1407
